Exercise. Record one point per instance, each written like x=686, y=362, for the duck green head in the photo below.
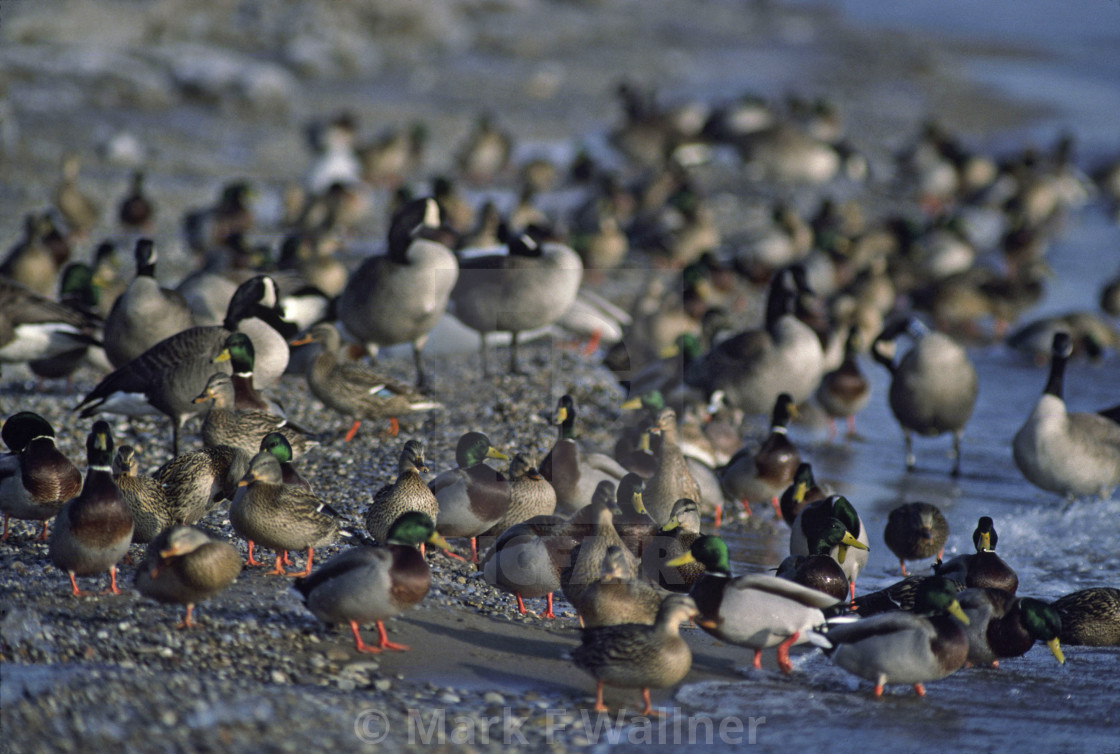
x=278, y=445
x=984, y=537
x=817, y=518
x=1043, y=624
x=709, y=551
x=474, y=448
x=835, y=534
x=937, y=595
x=239, y=352
x=802, y=481
x=20, y=429
x=77, y=283
x=629, y=496
x=784, y=410
x=651, y=401
x=415, y=528
x=99, y=446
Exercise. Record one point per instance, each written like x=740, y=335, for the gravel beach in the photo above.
x=259, y=672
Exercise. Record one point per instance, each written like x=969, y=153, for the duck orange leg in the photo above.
x=360, y=645
x=647, y=708
x=600, y=706
x=783, y=652
x=520, y=603
x=278, y=569
x=902, y=565
x=251, y=561
x=74, y=586
x=548, y=613
x=757, y=659
x=353, y=431
x=112, y=581
x=186, y=622
x=878, y=691
x=719, y=515
x=43, y=534
x=777, y=507
x=306, y=569
x=383, y=640
x=746, y=506
x=919, y=689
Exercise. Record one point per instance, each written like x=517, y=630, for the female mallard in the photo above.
x=145, y=497
x=530, y=494
x=1090, y=617
x=983, y=568
x=1072, y=454
x=473, y=497
x=241, y=428
x=617, y=597
x=372, y=584
x=184, y=565
x=801, y=492
x=574, y=473
x=407, y=493
x=672, y=540
x=399, y=296
x=277, y=444
x=933, y=387
x=529, y=287
x=633, y=523
x=820, y=571
x=634, y=655
x=356, y=391
x=280, y=516
x=167, y=377
x=757, y=611
x=916, y=531
x=196, y=481
x=845, y=391
x=766, y=472
x=594, y=532
x=36, y=479
x=814, y=520
x=1002, y=625
x=527, y=559
x=145, y=313
x=673, y=479
x=93, y=531
x=903, y=647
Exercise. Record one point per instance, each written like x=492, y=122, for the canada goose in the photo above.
x=1073, y=454
x=933, y=387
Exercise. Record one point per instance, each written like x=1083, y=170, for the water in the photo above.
x=1055, y=547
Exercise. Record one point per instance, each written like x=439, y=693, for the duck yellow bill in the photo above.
x=223, y=356
x=669, y=525
x=632, y=405
x=639, y=506
x=681, y=560
x=437, y=539
x=985, y=541
x=496, y=454
x=956, y=611
x=561, y=415
x=1056, y=650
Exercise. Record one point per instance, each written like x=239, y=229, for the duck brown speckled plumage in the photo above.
x=184, y=565
x=407, y=493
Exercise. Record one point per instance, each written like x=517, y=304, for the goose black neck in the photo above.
x=1057, y=375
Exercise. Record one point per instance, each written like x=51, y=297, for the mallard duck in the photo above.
x=593, y=530
x=529, y=286
x=80, y=291
x=903, y=647
x=634, y=655
x=136, y=212
x=527, y=558
x=231, y=214
x=984, y=568
x=916, y=531
x=766, y=472
x=238, y=351
x=167, y=377
x=1090, y=617
x=145, y=497
x=933, y=387
x=196, y=481
x=36, y=478
x=372, y=584
x=845, y=391
x=184, y=565
x=617, y=597
x=93, y=530
x=35, y=327
x=673, y=479
x=145, y=313
x=473, y=496
x=280, y=516
x=633, y=523
x=241, y=428
x=573, y=472
x=530, y=494
x=672, y=540
x=1001, y=625
x=820, y=570
x=398, y=297
x=757, y=611
x=277, y=444
x=407, y=493
x=1072, y=454
x=801, y=492
x=393, y=155
x=485, y=152
x=814, y=520
x=754, y=366
x=354, y=390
